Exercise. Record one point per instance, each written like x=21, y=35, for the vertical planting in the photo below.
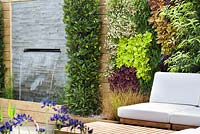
x=127, y=20
x=82, y=21
x=120, y=25
x=165, y=31
x=184, y=16
x=2, y=66
x=143, y=13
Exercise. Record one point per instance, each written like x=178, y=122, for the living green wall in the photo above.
x=143, y=37
x=82, y=21
x=173, y=45
x=131, y=41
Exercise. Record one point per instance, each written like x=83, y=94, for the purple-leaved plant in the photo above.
x=123, y=79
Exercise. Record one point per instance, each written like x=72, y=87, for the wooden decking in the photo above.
x=112, y=128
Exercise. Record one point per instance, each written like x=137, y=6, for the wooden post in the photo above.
x=7, y=19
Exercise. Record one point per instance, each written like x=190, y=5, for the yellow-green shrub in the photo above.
x=133, y=52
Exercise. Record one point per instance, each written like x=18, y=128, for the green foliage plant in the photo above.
x=125, y=19
x=165, y=31
x=2, y=66
x=184, y=16
x=11, y=110
x=133, y=52
x=1, y=114
x=141, y=16
x=82, y=21
x=121, y=24
x=134, y=14
x=8, y=87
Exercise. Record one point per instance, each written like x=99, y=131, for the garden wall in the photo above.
x=34, y=109
x=31, y=108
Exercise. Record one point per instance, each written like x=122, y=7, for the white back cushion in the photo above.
x=177, y=88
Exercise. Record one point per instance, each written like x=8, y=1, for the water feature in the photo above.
x=39, y=75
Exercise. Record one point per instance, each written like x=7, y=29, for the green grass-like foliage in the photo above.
x=11, y=110
x=83, y=49
x=133, y=52
x=1, y=114
x=184, y=16
x=2, y=66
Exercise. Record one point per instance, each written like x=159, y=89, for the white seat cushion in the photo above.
x=159, y=112
x=177, y=88
x=188, y=116
x=187, y=131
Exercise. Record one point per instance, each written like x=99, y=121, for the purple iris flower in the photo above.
x=41, y=130
x=48, y=103
x=20, y=118
x=55, y=117
x=64, y=110
x=6, y=127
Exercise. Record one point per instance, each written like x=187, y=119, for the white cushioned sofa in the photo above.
x=174, y=103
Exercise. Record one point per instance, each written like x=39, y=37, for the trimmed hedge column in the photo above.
x=83, y=49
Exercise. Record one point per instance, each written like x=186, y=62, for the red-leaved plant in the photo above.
x=123, y=79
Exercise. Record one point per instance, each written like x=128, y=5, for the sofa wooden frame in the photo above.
x=155, y=124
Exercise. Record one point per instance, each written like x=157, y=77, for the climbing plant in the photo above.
x=83, y=49
x=2, y=66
